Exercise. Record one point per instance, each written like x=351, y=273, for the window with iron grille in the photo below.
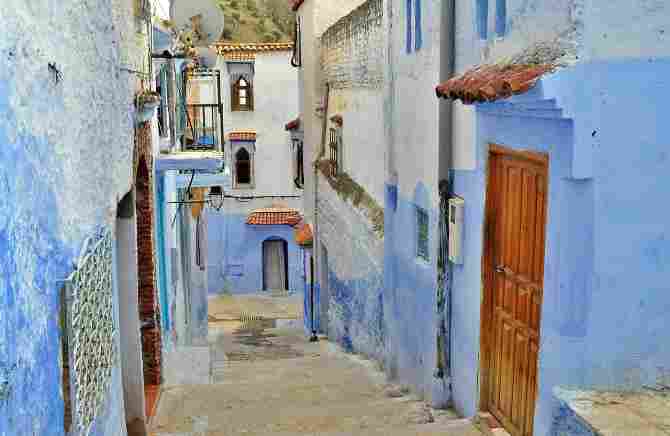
x=243, y=171
x=296, y=58
x=242, y=96
x=334, y=145
x=422, y=234
x=299, y=178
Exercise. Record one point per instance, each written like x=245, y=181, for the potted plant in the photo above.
x=146, y=102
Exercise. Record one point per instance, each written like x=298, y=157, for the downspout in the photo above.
x=444, y=332
x=315, y=165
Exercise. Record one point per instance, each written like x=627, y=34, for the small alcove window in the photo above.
x=422, y=234
x=242, y=95
x=242, y=167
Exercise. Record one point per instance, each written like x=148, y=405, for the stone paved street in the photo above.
x=269, y=380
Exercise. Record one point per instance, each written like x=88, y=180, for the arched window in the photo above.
x=242, y=95
x=242, y=167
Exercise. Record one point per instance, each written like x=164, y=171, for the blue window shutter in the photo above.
x=409, y=25
x=418, y=37
x=482, y=18
x=501, y=17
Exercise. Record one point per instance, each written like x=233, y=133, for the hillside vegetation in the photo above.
x=257, y=20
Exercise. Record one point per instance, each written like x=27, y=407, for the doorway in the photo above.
x=324, y=295
x=275, y=265
x=149, y=310
x=129, y=320
x=513, y=275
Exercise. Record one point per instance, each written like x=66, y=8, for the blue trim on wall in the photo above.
x=162, y=257
x=408, y=24
x=482, y=18
x=418, y=34
x=501, y=17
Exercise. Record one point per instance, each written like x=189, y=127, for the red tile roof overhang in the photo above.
x=292, y=125
x=273, y=216
x=303, y=235
x=295, y=4
x=488, y=83
x=242, y=136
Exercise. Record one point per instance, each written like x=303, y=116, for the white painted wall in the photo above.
x=316, y=16
x=275, y=87
x=414, y=120
x=363, y=140
x=129, y=324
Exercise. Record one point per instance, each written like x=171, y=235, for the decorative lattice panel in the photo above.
x=91, y=333
x=352, y=50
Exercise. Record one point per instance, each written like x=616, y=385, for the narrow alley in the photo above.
x=334, y=218
x=266, y=379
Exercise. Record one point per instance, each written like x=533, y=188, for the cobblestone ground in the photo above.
x=269, y=380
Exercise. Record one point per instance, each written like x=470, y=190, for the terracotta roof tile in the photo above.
x=303, y=235
x=272, y=216
x=295, y=4
x=292, y=125
x=242, y=135
x=224, y=48
x=492, y=82
x=239, y=56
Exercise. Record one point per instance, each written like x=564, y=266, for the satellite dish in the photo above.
x=201, y=15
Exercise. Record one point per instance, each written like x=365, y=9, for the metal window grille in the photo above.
x=422, y=234
x=299, y=166
x=296, y=59
x=334, y=152
x=242, y=96
x=90, y=334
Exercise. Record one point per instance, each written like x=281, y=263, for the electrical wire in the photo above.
x=188, y=192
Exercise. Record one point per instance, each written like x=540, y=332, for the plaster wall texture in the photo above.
x=275, y=88
x=363, y=145
x=67, y=154
x=354, y=286
x=236, y=254
x=316, y=16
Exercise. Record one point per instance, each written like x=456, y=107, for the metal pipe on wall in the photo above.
x=447, y=61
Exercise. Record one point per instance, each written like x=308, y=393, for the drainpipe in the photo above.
x=312, y=338
x=447, y=60
x=324, y=125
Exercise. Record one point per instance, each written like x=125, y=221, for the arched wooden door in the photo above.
x=513, y=285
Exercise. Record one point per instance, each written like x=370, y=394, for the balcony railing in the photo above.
x=203, y=127
x=203, y=130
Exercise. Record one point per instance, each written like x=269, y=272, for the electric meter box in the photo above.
x=456, y=212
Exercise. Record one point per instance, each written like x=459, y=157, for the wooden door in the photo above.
x=513, y=281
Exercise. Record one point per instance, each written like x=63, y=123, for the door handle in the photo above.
x=500, y=269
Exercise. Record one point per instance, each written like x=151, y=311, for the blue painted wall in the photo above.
x=356, y=313
x=235, y=254
x=410, y=289
x=65, y=161
x=606, y=280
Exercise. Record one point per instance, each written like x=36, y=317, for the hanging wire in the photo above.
x=188, y=193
